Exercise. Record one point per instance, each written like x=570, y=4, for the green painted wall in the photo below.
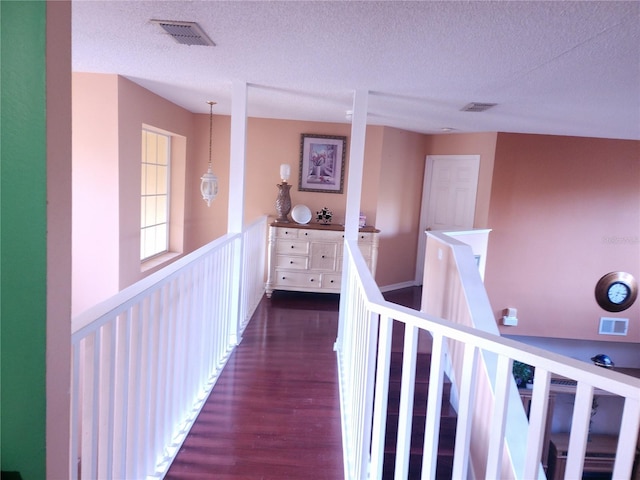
x=23, y=237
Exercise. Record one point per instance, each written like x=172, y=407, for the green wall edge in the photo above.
x=23, y=238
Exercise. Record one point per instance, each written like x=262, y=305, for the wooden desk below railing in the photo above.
x=562, y=385
x=599, y=456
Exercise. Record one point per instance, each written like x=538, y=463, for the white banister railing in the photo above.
x=364, y=350
x=253, y=262
x=145, y=361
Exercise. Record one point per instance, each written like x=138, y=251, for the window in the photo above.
x=155, y=201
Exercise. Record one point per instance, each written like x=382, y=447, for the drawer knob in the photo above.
x=284, y=278
x=322, y=256
x=331, y=281
x=291, y=246
x=312, y=279
x=291, y=262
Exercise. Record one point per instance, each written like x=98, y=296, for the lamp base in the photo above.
x=283, y=203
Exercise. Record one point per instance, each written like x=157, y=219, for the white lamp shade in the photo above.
x=209, y=186
x=285, y=171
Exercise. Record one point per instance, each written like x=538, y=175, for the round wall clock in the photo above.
x=616, y=291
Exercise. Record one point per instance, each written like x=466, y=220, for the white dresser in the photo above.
x=308, y=258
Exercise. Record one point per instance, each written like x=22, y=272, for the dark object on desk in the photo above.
x=602, y=360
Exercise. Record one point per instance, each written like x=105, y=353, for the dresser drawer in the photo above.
x=323, y=256
x=294, y=262
x=286, y=232
x=287, y=278
x=365, y=237
x=292, y=247
x=329, y=235
x=331, y=280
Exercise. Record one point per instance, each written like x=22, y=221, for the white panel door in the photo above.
x=448, y=197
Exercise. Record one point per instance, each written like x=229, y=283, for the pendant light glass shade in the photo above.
x=209, y=182
x=209, y=187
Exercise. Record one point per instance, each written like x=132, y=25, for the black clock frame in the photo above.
x=605, y=283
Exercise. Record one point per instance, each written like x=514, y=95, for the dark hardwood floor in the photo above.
x=274, y=412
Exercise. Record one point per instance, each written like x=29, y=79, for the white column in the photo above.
x=356, y=162
x=354, y=189
x=238, y=156
x=236, y=199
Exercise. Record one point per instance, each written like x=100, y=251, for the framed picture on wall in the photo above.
x=322, y=159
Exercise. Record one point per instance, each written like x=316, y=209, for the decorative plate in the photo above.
x=301, y=214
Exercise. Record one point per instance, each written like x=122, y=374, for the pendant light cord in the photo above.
x=210, y=129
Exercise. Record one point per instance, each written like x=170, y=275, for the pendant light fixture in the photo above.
x=209, y=184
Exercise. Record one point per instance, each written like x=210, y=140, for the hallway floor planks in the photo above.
x=274, y=412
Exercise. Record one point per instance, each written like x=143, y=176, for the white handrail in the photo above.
x=359, y=336
x=145, y=361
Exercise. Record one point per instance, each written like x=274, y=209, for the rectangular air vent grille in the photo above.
x=613, y=326
x=477, y=107
x=185, y=33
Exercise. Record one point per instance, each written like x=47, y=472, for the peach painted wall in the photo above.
x=389, y=154
x=272, y=142
x=391, y=187
x=204, y=224
x=269, y=144
x=373, y=158
x=96, y=230
x=391, y=194
x=399, y=194
x=483, y=144
x=108, y=114
x=564, y=212
x=137, y=107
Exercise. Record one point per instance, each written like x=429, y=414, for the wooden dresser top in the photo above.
x=320, y=226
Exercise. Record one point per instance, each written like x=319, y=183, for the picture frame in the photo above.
x=322, y=163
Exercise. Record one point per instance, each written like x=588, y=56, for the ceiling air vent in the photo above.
x=477, y=107
x=186, y=33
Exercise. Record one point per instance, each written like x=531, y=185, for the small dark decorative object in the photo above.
x=602, y=360
x=324, y=216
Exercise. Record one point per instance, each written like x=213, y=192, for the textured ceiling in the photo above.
x=565, y=68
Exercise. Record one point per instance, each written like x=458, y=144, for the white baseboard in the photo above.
x=398, y=286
